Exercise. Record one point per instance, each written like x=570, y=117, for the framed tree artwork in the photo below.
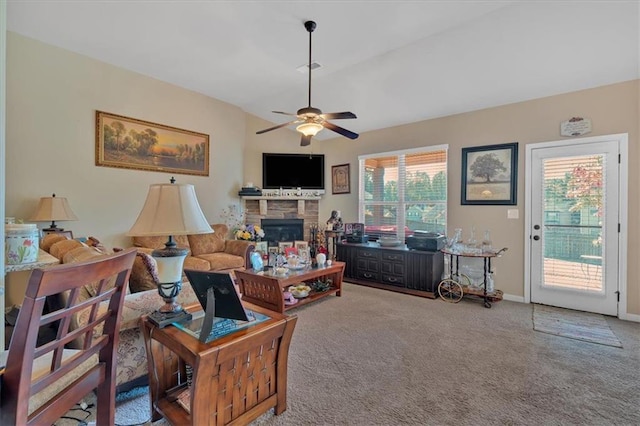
x=490, y=175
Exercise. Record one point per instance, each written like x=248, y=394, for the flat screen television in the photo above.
x=304, y=171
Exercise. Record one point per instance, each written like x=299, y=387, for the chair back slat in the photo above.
x=36, y=369
x=59, y=370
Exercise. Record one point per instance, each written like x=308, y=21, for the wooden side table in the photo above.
x=233, y=379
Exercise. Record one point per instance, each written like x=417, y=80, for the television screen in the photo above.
x=304, y=171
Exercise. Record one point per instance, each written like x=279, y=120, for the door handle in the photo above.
x=536, y=237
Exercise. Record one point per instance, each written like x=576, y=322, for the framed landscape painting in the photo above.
x=490, y=174
x=130, y=143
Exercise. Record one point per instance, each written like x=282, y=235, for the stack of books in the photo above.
x=250, y=190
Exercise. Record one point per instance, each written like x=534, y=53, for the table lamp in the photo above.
x=169, y=210
x=51, y=209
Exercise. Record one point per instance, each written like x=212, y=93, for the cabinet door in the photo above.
x=347, y=254
x=424, y=270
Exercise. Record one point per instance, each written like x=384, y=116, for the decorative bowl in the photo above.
x=300, y=291
x=389, y=242
x=281, y=271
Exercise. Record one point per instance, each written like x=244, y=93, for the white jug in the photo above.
x=321, y=258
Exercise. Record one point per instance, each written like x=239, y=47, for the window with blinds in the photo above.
x=403, y=191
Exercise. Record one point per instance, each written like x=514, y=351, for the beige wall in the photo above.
x=613, y=109
x=52, y=96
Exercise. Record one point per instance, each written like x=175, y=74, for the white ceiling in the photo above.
x=390, y=62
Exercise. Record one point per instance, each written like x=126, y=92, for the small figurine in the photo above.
x=335, y=221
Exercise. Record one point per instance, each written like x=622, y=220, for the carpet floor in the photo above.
x=374, y=357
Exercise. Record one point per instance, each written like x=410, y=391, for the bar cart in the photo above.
x=453, y=288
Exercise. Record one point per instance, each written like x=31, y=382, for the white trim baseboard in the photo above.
x=512, y=298
x=629, y=317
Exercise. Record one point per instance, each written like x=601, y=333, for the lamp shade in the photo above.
x=170, y=209
x=309, y=128
x=53, y=208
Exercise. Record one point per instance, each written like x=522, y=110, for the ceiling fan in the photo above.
x=312, y=120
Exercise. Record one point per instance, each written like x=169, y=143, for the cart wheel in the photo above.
x=487, y=304
x=450, y=291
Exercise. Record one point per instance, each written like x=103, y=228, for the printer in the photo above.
x=426, y=241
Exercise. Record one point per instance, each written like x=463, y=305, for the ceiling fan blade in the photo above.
x=275, y=127
x=344, y=132
x=338, y=115
x=285, y=113
x=305, y=140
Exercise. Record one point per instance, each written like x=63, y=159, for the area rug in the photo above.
x=574, y=325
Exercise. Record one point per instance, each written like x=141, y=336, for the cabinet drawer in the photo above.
x=393, y=257
x=370, y=254
x=393, y=280
x=371, y=276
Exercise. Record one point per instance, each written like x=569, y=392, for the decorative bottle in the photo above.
x=486, y=242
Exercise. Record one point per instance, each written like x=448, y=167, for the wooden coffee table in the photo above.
x=265, y=288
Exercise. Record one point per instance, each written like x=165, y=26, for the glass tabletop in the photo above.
x=221, y=326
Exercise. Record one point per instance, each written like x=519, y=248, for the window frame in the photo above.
x=401, y=204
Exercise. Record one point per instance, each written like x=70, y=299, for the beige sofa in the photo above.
x=132, y=359
x=207, y=252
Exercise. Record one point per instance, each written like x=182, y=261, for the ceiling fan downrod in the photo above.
x=310, y=26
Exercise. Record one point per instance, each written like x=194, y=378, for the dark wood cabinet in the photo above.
x=392, y=268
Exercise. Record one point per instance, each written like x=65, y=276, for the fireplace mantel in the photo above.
x=264, y=201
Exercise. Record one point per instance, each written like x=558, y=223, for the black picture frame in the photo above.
x=498, y=162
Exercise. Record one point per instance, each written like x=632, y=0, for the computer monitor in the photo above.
x=227, y=303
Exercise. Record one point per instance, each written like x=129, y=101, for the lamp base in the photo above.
x=163, y=319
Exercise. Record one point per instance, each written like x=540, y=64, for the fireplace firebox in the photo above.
x=279, y=230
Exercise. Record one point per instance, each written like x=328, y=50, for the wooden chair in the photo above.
x=41, y=383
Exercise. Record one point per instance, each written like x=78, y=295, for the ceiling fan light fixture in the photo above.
x=309, y=129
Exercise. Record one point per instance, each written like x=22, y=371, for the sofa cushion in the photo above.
x=206, y=243
x=159, y=242
x=196, y=263
x=60, y=248
x=222, y=261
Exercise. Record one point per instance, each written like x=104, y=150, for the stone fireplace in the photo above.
x=304, y=210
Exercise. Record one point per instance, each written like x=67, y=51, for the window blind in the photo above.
x=404, y=191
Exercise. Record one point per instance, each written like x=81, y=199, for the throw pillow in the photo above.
x=81, y=254
x=144, y=273
x=50, y=239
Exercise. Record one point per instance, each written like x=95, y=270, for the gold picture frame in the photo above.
x=340, y=179
x=284, y=245
x=300, y=245
x=129, y=143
